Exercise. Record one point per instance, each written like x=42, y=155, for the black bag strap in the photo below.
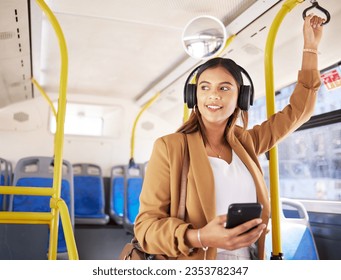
x=183, y=188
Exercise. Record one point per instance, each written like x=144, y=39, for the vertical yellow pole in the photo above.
x=68, y=230
x=132, y=139
x=59, y=136
x=270, y=106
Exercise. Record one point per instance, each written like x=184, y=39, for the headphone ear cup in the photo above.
x=191, y=95
x=244, y=98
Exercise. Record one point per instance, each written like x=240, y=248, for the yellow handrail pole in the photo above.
x=229, y=40
x=68, y=231
x=270, y=106
x=59, y=136
x=25, y=217
x=132, y=140
x=227, y=43
x=26, y=190
x=43, y=93
x=186, y=113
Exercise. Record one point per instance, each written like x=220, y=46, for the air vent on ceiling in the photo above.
x=147, y=125
x=251, y=49
x=6, y=35
x=21, y=117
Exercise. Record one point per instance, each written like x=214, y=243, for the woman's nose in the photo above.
x=215, y=96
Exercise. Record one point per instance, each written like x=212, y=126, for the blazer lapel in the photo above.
x=202, y=174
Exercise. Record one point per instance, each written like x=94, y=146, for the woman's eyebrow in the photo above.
x=202, y=82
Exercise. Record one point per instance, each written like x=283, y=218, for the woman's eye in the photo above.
x=224, y=88
x=204, y=87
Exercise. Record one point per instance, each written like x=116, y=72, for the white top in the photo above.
x=233, y=184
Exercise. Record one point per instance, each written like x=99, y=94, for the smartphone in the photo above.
x=239, y=213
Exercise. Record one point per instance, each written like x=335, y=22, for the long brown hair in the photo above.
x=195, y=123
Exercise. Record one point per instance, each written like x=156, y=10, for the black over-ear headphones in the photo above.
x=245, y=97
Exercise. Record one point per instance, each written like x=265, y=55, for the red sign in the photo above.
x=331, y=79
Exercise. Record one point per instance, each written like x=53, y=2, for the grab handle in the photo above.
x=317, y=6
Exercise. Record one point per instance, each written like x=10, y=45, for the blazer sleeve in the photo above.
x=297, y=112
x=155, y=229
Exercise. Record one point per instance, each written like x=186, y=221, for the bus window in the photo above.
x=310, y=158
x=310, y=173
x=90, y=120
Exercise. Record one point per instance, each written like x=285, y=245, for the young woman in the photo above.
x=224, y=168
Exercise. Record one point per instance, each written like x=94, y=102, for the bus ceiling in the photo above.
x=123, y=41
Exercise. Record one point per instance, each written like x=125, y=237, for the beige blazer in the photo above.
x=156, y=226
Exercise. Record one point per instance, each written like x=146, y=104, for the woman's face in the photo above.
x=217, y=95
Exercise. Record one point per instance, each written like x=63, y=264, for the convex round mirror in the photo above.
x=204, y=37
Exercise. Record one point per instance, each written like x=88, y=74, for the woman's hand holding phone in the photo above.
x=214, y=234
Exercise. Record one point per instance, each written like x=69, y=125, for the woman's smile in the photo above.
x=213, y=107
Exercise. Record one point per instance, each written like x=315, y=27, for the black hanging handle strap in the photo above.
x=317, y=6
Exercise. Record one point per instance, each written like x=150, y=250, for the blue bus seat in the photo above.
x=133, y=187
x=38, y=172
x=296, y=235
x=89, y=194
x=117, y=182
x=6, y=174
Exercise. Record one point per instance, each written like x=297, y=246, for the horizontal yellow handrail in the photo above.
x=28, y=221
x=24, y=217
x=45, y=218
x=26, y=190
x=43, y=93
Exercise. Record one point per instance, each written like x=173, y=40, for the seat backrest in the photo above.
x=89, y=194
x=6, y=174
x=296, y=235
x=38, y=172
x=117, y=183
x=132, y=191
